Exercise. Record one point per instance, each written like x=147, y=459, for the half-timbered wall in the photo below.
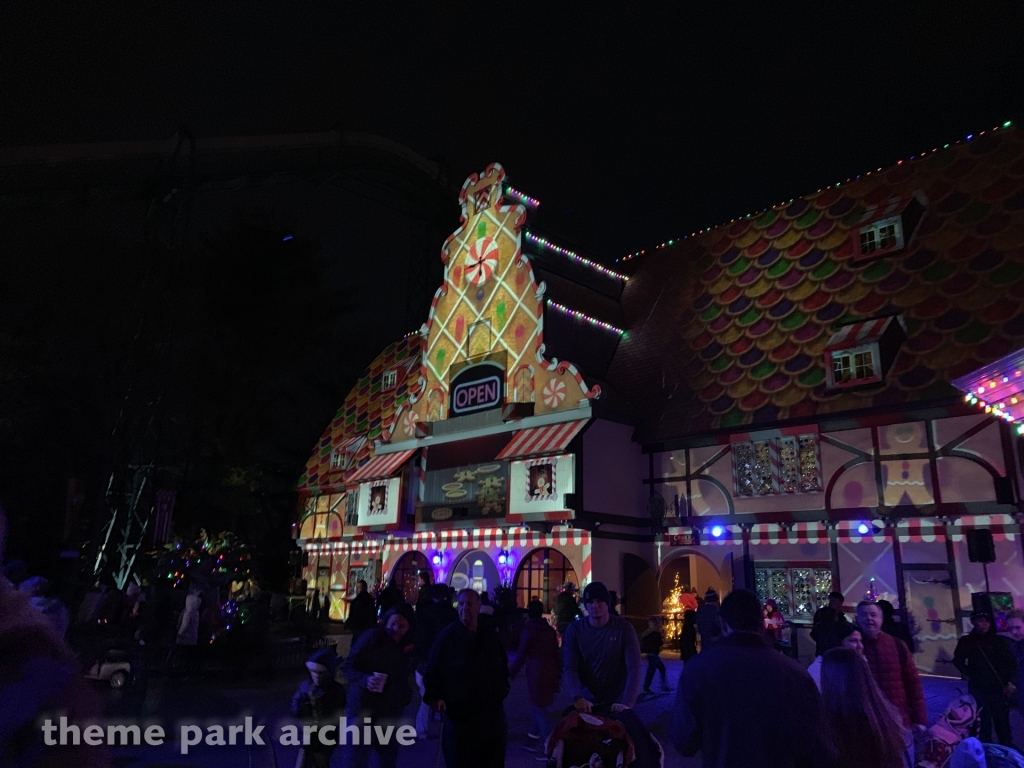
x=953, y=466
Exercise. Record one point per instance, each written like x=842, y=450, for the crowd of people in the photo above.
x=860, y=704
x=738, y=701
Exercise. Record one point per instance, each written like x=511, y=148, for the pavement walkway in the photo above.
x=267, y=701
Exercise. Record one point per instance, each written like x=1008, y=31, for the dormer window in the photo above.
x=389, y=380
x=884, y=235
x=862, y=353
x=854, y=365
x=889, y=227
x=337, y=459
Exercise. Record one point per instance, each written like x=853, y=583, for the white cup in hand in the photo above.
x=377, y=682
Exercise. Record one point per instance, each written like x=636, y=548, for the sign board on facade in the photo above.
x=472, y=492
x=477, y=387
x=690, y=539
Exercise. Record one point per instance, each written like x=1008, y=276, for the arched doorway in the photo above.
x=475, y=570
x=405, y=571
x=692, y=570
x=540, y=574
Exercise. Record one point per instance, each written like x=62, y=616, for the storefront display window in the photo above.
x=779, y=465
x=798, y=591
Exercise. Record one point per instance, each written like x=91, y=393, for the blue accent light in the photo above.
x=716, y=531
x=863, y=529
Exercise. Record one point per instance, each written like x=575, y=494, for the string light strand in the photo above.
x=784, y=203
x=537, y=239
x=586, y=318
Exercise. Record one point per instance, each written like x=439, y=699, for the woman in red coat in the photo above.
x=538, y=650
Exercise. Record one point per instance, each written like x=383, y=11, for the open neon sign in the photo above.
x=478, y=387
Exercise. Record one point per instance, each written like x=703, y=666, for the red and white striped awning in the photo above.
x=855, y=334
x=384, y=465
x=550, y=439
x=800, y=533
x=1003, y=527
x=488, y=538
x=848, y=531
x=920, y=530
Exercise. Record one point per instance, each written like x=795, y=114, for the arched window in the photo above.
x=405, y=571
x=475, y=570
x=540, y=575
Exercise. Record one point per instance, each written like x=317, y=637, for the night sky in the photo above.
x=632, y=123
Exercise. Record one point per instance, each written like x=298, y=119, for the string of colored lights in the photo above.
x=574, y=256
x=529, y=202
x=784, y=203
x=997, y=409
x=587, y=318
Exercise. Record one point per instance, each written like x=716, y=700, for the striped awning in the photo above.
x=849, y=531
x=550, y=439
x=800, y=533
x=856, y=334
x=1003, y=527
x=920, y=530
x=486, y=538
x=384, y=465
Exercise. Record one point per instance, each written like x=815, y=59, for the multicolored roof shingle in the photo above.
x=729, y=328
x=367, y=412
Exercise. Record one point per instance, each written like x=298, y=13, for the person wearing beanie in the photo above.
x=987, y=662
x=379, y=670
x=601, y=656
x=707, y=620
x=319, y=701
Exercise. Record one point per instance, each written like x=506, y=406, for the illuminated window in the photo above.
x=853, y=365
x=389, y=380
x=796, y=591
x=883, y=235
x=337, y=459
x=777, y=466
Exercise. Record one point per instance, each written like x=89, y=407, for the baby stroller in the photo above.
x=603, y=739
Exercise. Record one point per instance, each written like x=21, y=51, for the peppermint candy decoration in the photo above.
x=553, y=393
x=409, y=423
x=482, y=261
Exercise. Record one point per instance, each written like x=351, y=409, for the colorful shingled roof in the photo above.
x=729, y=327
x=367, y=412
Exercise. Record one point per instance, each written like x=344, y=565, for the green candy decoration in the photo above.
x=481, y=229
x=501, y=315
x=440, y=357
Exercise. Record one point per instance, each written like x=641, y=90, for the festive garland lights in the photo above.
x=668, y=243
x=587, y=318
x=574, y=256
x=529, y=202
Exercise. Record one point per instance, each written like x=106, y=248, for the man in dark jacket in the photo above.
x=721, y=707
x=538, y=652
x=467, y=680
x=362, y=614
x=565, y=609
x=986, y=661
x=434, y=612
x=707, y=620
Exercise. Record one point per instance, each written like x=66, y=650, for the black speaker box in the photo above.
x=980, y=547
